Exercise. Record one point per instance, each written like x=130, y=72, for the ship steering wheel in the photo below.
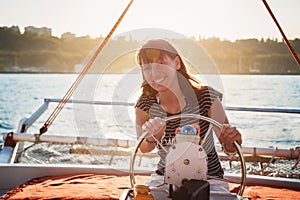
x=241, y=182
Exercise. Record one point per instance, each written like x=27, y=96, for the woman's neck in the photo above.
x=171, y=102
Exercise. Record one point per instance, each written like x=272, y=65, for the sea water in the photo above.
x=22, y=94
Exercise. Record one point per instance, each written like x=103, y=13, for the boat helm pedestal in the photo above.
x=186, y=162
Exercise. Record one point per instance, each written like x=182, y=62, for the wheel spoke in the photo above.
x=228, y=180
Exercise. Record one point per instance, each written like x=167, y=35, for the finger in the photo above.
x=239, y=139
x=156, y=122
x=154, y=125
x=226, y=131
x=161, y=124
x=148, y=126
x=235, y=136
x=230, y=133
x=225, y=128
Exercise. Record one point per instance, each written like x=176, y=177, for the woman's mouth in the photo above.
x=160, y=80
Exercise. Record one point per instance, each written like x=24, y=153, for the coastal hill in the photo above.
x=47, y=54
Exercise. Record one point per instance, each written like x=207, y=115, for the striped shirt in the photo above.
x=197, y=102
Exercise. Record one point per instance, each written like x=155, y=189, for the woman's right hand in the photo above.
x=155, y=127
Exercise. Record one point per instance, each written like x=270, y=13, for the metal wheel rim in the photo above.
x=200, y=117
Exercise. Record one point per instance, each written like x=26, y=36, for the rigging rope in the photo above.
x=282, y=33
x=71, y=90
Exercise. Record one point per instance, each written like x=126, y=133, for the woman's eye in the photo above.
x=163, y=60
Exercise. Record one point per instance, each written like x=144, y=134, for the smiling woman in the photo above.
x=167, y=90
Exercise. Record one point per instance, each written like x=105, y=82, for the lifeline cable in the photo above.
x=71, y=90
x=282, y=33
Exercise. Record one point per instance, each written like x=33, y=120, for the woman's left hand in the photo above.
x=228, y=135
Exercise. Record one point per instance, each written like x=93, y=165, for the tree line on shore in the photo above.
x=36, y=53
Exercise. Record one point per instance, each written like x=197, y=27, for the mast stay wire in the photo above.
x=282, y=33
x=73, y=87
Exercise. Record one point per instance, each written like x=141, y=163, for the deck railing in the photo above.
x=25, y=123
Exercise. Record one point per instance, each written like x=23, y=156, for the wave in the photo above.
x=4, y=125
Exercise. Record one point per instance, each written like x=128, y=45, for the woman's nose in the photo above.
x=154, y=68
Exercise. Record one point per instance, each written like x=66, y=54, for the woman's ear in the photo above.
x=177, y=63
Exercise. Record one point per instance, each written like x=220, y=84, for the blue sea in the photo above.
x=22, y=94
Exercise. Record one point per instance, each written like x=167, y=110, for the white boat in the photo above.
x=14, y=175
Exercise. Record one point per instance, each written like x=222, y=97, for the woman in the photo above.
x=168, y=89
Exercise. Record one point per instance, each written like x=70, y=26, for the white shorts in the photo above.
x=215, y=185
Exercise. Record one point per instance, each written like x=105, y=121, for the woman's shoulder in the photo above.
x=145, y=101
x=147, y=98
x=206, y=90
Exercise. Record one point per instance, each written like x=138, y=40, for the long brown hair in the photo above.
x=165, y=48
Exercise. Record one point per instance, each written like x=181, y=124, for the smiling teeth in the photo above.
x=160, y=80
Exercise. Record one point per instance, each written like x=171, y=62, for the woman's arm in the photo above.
x=153, y=126
x=228, y=134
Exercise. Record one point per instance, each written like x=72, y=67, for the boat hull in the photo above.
x=14, y=175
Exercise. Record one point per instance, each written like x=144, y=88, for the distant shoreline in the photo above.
x=32, y=53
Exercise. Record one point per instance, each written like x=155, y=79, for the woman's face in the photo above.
x=160, y=71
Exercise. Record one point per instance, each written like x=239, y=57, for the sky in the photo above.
x=225, y=19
